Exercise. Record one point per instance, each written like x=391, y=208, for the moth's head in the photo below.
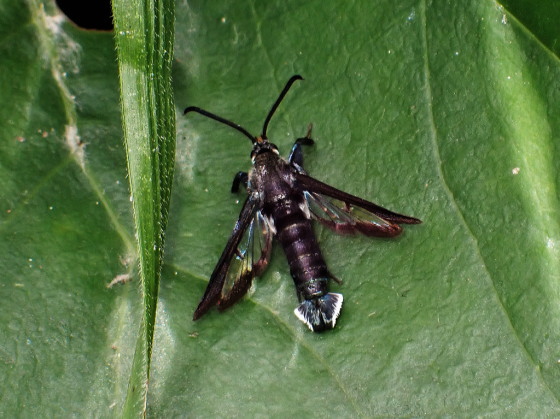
x=262, y=145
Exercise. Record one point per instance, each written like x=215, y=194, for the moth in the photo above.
x=282, y=201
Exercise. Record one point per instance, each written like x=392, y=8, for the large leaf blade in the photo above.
x=412, y=108
x=402, y=99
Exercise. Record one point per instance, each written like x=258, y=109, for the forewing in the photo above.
x=249, y=261
x=217, y=279
x=345, y=213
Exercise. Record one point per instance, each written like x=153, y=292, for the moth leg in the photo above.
x=296, y=155
x=240, y=178
x=335, y=279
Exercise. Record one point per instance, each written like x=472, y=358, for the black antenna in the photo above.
x=282, y=94
x=222, y=120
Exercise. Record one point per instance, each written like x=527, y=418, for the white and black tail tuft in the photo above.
x=320, y=313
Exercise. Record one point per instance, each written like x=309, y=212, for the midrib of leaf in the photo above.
x=541, y=199
x=433, y=133
x=531, y=142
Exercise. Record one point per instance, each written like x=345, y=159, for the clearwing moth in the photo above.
x=282, y=201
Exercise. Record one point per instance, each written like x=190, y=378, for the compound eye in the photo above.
x=274, y=148
x=253, y=155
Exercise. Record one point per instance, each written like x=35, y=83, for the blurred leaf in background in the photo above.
x=65, y=219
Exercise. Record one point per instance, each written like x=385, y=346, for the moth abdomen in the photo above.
x=295, y=234
x=319, y=308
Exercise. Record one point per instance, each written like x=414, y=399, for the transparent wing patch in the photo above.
x=249, y=260
x=345, y=218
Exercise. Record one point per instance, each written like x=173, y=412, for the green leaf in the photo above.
x=65, y=220
x=540, y=18
x=441, y=110
x=144, y=37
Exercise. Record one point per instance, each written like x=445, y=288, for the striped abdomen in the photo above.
x=319, y=308
x=295, y=234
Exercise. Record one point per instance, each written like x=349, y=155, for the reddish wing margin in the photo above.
x=345, y=213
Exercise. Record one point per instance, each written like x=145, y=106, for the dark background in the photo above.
x=88, y=14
